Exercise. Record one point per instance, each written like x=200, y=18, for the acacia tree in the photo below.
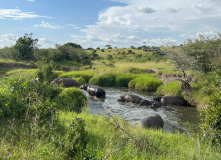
x=25, y=46
x=183, y=62
x=207, y=50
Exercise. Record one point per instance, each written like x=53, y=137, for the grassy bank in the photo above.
x=105, y=138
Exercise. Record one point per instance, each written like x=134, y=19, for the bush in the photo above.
x=71, y=98
x=77, y=138
x=107, y=79
x=123, y=80
x=172, y=88
x=80, y=80
x=19, y=97
x=145, y=83
x=211, y=116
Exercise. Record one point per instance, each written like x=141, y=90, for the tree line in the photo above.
x=26, y=49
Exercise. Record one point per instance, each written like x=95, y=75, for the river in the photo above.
x=134, y=113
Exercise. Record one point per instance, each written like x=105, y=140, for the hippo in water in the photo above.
x=152, y=121
x=66, y=82
x=94, y=90
x=130, y=98
x=136, y=99
x=172, y=100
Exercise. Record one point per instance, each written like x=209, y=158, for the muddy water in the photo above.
x=173, y=120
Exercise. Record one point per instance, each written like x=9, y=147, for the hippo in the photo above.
x=94, y=90
x=152, y=121
x=136, y=99
x=152, y=104
x=172, y=100
x=67, y=82
x=130, y=98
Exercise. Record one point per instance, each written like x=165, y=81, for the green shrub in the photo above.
x=107, y=79
x=145, y=83
x=122, y=80
x=21, y=96
x=71, y=98
x=87, y=75
x=77, y=138
x=211, y=116
x=171, y=88
x=80, y=80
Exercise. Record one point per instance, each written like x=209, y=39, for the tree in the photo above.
x=108, y=46
x=72, y=45
x=206, y=50
x=132, y=47
x=183, y=62
x=25, y=46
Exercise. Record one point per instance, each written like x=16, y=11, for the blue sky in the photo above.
x=120, y=23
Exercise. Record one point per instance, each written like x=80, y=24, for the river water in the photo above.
x=133, y=113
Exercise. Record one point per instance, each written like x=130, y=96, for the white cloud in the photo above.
x=7, y=40
x=17, y=14
x=47, y=25
x=154, y=21
x=45, y=43
x=31, y=0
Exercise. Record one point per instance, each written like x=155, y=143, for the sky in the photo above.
x=119, y=23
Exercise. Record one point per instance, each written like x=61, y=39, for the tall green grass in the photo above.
x=112, y=79
x=171, y=88
x=107, y=138
x=146, y=83
x=107, y=79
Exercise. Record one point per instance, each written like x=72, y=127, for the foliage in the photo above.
x=109, y=57
x=145, y=83
x=71, y=45
x=171, y=88
x=76, y=54
x=211, y=116
x=80, y=80
x=70, y=98
x=206, y=50
x=123, y=80
x=78, y=138
x=65, y=53
x=25, y=46
x=8, y=52
x=45, y=71
x=21, y=96
x=107, y=79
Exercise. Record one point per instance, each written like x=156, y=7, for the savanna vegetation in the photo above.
x=44, y=121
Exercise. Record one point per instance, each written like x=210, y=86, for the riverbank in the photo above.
x=105, y=138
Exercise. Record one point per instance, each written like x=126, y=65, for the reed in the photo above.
x=172, y=88
x=146, y=83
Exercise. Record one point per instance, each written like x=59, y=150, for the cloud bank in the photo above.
x=153, y=22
